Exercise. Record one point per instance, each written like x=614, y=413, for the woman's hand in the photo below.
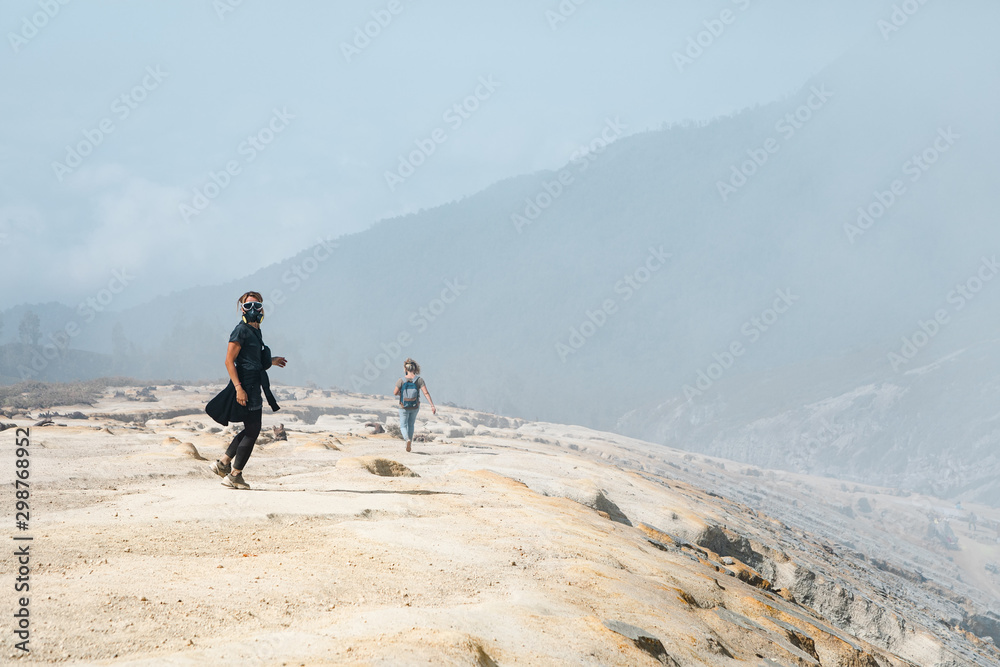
x=241, y=396
x=279, y=361
x=434, y=410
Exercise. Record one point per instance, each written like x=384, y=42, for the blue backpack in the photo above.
x=409, y=393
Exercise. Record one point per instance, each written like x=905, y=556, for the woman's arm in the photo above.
x=231, y=352
x=395, y=392
x=434, y=410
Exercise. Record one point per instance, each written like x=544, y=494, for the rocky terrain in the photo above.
x=495, y=542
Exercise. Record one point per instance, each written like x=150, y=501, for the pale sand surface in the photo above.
x=490, y=555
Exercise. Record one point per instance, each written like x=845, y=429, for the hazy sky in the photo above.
x=161, y=96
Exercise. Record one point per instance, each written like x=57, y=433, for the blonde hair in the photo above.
x=246, y=296
x=410, y=364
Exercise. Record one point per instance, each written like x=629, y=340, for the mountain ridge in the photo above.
x=532, y=289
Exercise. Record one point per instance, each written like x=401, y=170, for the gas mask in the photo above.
x=253, y=312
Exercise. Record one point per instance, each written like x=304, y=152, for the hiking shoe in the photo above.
x=235, y=482
x=221, y=469
x=407, y=445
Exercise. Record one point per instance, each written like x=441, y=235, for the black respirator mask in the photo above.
x=253, y=312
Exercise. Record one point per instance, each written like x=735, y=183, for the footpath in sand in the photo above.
x=496, y=542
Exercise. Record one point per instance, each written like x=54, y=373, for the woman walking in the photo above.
x=247, y=361
x=408, y=389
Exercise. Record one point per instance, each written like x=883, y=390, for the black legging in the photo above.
x=242, y=445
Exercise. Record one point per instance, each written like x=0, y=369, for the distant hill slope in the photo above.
x=931, y=427
x=50, y=364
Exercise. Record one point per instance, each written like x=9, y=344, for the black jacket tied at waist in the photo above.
x=224, y=408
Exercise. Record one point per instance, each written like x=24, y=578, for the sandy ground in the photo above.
x=499, y=550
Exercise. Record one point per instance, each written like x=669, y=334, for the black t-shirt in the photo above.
x=251, y=345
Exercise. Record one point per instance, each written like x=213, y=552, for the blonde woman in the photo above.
x=408, y=389
x=247, y=361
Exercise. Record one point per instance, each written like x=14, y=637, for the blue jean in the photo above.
x=407, y=420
